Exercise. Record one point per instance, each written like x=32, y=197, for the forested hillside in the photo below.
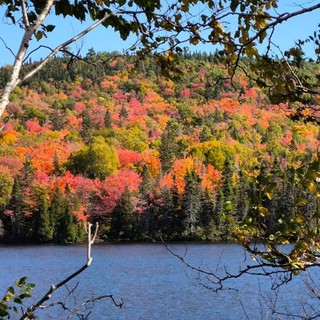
x=192, y=156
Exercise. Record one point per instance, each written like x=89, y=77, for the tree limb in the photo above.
x=64, y=45
x=55, y=287
x=24, y=14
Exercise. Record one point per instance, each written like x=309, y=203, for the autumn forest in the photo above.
x=190, y=155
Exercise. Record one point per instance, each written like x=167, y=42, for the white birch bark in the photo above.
x=15, y=73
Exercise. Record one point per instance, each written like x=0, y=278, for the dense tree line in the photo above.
x=150, y=157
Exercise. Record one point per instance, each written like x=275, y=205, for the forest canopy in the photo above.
x=151, y=157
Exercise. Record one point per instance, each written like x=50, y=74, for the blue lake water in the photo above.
x=153, y=283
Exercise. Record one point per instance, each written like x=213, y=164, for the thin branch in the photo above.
x=282, y=18
x=279, y=271
x=53, y=288
x=93, y=300
x=67, y=43
x=8, y=48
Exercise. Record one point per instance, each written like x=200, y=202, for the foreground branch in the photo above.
x=24, y=45
x=280, y=273
x=53, y=288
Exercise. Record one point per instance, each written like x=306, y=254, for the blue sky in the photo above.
x=102, y=39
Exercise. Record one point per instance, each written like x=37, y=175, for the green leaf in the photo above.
x=15, y=309
x=8, y=297
x=228, y=206
x=17, y=300
x=11, y=290
x=3, y=313
x=234, y=5
x=21, y=282
x=30, y=286
x=38, y=35
x=50, y=27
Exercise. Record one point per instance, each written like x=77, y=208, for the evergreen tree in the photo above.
x=68, y=226
x=2, y=229
x=56, y=166
x=67, y=229
x=191, y=203
x=26, y=180
x=175, y=215
x=228, y=187
x=43, y=224
x=27, y=172
x=227, y=216
x=123, y=222
x=167, y=215
x=208, y=220
x=242, y=198
x=15, y=207
x=57, y=210
x=168, y=147
x=156, y=226
x=86, y=124
x=219, y=213
x=146, y=184
x=123, y=115
x=108, y=120
x=147, y=204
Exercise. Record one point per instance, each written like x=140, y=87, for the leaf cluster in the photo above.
x=14, y=298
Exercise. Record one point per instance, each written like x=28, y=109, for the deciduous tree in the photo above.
x=97, y=160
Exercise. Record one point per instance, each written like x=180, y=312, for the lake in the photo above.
x=153, y=283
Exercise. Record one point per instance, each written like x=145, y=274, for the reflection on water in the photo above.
x=153, y=283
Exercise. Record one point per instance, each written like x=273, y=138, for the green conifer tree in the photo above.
x=242, y=198
x=228, y=217
x=15, y=206
x=191, y=204
x=57, y=210
x=167, y=220
x=56, y=165
x=68, y=226
x=123, y=115
x=123, y=224
x=168, y=147
x=175, y=215
x=208, y=220
x=108, y=120
x=43, y=226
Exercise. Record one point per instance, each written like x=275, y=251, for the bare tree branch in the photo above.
x=55, y=287
x=64, y=45
x=8, y=48
x=280, y=271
